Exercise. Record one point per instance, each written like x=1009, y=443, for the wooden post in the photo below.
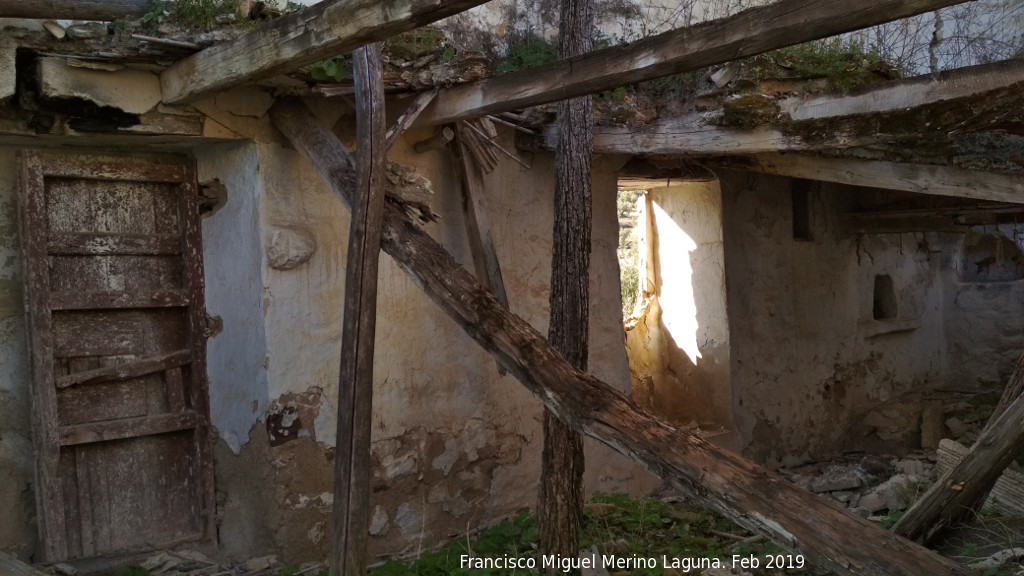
x=959, y=491
x=478, y=225
x=355, y=387
x=756, y=498
x=560, y=505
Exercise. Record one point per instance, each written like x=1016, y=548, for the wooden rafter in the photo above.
x=755, y=497
x=920, y=178
x=327, y=29
x=751, y=32
x=72, y=9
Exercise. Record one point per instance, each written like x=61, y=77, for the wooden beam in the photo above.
x=799, y=125
x=105, y=10
x=751, y=32
x=919, y=178
x=962, y=489
x=969, y=480
x=351, y=515
x=756, y=498
x=321, y=31
x=478, y=224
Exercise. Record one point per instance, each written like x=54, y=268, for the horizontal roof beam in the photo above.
x=918, y=178
x=832, y=121
x=748, y=33
x=105, y=10
x=322, y=31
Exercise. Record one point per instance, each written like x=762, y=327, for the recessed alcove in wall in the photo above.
x=884, y=304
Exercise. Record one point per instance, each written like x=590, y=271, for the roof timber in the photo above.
x=324, y=30
x=919, y=178
x=751, y=32
x=72, y=9
x=978, y=96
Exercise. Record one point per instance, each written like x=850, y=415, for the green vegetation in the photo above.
x=335, y=69
x=132, y=571
x=199, y=14
x=526, y=49
x=629, y=250
x=614, y=524
x=844, y=66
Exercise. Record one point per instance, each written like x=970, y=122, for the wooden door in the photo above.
x=112, y=256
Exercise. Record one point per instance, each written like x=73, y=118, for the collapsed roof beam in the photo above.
x=324, y=30
x=105, y=10
x=751, y=32
x=919, y=178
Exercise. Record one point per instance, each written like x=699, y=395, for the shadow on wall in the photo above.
x=678, y=341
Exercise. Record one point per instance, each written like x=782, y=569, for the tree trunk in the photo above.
x=351, y=516
x=958, y=492
x=754, y=497
x=561, y=487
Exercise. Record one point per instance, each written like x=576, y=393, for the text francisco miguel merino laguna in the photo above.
x=568, y=563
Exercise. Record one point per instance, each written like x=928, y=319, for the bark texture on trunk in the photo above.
x=561, y=486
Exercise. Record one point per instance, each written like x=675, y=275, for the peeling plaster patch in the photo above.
x=244, y=101
x=232, y=255
x=317, y=533
x=322, y=502
x=379, y=524
x=407, y=519
x=289, y=246
x=132, y=91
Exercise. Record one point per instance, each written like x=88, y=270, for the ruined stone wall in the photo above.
x=813, y=370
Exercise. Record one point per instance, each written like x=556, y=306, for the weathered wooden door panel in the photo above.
x=116, y=327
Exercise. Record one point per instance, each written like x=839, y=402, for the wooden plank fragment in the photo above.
x=351, y=514
x=11, y=566
x=962, y=486
x=321, y=31
x=757, y=30
x=126, y=371
x=408, y=117
x=126, y=428
x=756, y=498
x=1007, y=495
x=478, y=225
x=919, y=178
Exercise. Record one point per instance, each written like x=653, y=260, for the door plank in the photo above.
x=133, y=369
x=107, y=300
x=127, y=428
x=105, y=244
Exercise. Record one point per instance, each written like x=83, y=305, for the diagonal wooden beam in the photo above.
x=756, y=498
x=324, y=30
x=751, y=32
x=920, y=178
